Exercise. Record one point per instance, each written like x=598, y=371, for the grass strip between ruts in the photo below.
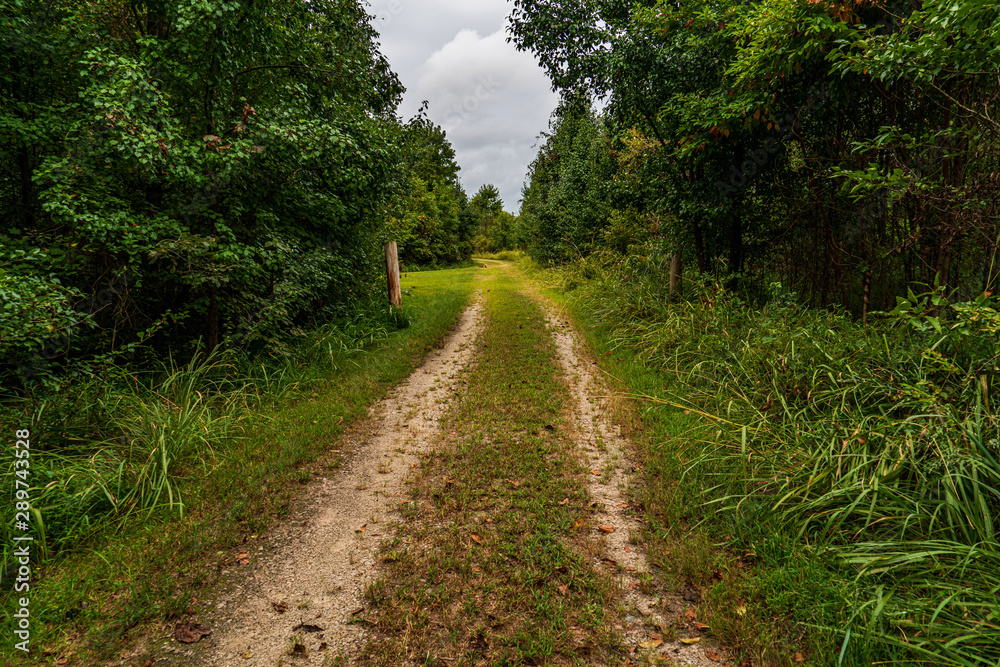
x=488, y=564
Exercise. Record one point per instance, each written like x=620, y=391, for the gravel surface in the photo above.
x=605, y=452
x=306, y=587
x=299, y=601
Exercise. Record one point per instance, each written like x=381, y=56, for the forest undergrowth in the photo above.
x=848, y=475
x=143, y=484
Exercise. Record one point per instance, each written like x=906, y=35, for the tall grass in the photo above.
x=502, y=255
x=109, y=451
x=874, y=451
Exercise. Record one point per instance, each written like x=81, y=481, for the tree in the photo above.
x=428, y=220
x=231, y=159
x=567, y=200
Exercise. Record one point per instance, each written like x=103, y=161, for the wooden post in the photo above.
x=392, y=274
x=675, y=277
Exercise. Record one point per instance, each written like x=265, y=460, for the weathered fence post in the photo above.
x=392, y=274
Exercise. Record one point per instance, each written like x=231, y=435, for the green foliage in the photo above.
x=230, y=160
x=841, y=148
x=870, y=453
x=431, y=222
x=566, y=203
x=496, y=230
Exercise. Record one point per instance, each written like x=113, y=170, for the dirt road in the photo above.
x=307, y=598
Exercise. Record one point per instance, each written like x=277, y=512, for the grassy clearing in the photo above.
x=503, y=255
x=488, y=565
x=232, y=445
x=846, y=476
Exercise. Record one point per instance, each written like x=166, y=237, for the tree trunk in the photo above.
x=676, y=280
x=735, y=249
x=699, y=246
x=213, y=318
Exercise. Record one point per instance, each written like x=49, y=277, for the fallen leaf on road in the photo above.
x=691, y=614
x=362, y=529
x=741, y=610
x=606, y=529
x=579, y=522
x=189, y=633
x=307, y=628
x=595, y=472
x=280, y=607
x=247, y=655
x=702, y=626
x=652, y=643
x=713, y=656
x=476, y=538
x=563, y=589
x=690, y=640
x=564, y=501
x=357, y=611
x=799, y=657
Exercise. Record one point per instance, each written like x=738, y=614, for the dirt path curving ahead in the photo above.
x=302, y=602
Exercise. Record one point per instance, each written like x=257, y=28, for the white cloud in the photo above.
x=491, y=100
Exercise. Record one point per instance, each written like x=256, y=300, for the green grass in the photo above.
x=503, y=255
x=490, y=566
x=233, y=445
x=846, y=476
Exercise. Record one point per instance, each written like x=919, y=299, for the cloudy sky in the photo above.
x=491, y=100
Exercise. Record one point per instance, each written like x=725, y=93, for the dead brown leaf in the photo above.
x=563, y=589
x=799, y=657
x=564, y=501
x=476, y=538
x=280, y=607
x=652, y=643
x=713, y=656
x=189, y=633
x=606, y=529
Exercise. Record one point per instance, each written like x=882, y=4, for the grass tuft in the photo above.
x=849, y=474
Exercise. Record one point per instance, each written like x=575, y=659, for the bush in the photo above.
x=873, y=451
